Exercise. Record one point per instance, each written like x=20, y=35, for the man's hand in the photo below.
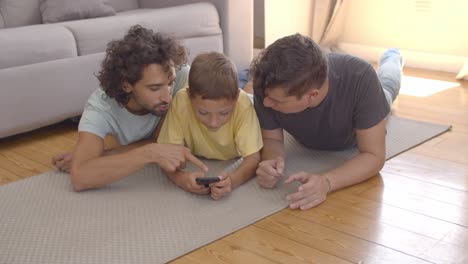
x=186, y=180
x=312, y=192
x=62, y=161
x=172, y=157
x=221, y=188
x=269, y=172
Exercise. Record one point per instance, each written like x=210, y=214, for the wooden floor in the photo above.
x=415, y=211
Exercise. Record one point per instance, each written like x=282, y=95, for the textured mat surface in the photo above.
x=145, y=218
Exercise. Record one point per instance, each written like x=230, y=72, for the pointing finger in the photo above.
x=196, y=161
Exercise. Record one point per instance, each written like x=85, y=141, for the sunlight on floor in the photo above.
x=422, y=87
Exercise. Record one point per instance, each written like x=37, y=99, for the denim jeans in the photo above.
x=389, y=74
x=243, y=78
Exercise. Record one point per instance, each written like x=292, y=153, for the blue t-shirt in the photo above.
x=103, y=116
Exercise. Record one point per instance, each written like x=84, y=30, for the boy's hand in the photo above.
x=186, y=181
x=269, y=172
x=221, y=188
x=62, y=161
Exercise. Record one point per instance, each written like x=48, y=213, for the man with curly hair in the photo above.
x=327, y=102
x=138, y=78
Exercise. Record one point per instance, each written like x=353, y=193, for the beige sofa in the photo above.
x=47, y=71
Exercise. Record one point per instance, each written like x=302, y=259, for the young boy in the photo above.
x=215, y=120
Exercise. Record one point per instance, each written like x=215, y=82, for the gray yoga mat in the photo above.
x=145, y=218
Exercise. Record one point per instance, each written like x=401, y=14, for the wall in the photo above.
x=431, y=33
x=284, y=18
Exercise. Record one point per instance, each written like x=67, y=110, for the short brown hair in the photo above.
x=213, y=76
x=126, y=58
x=294, y=62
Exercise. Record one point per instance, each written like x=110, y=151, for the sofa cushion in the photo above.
x=186, y=21
x=20, y=12
x=53, y=11
x=123, y=5
x=45, y=93
x=34, y=44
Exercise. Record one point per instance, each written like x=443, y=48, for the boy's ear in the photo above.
x=127, y=87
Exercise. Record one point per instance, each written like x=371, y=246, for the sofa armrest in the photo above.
x=236, y=18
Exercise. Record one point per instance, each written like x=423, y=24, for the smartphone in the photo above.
x=206, y=180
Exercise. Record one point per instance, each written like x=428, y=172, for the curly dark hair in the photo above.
x=294, y=62
x=126, y=58
x=213, y=76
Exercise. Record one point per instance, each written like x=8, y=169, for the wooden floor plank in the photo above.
x=419, y=204
x=333, y=241
x=223, y=252
x=20, y=168
x=428, y=169
x=450, y=146
x=394, y=216
x=278, y=248
x=7, y=176
x=433, y=189
x=36, y=152
x=266, y=245
x=25, y=162
x=389, y=236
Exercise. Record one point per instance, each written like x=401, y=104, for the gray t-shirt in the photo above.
x=355, y=100
x=103, y=116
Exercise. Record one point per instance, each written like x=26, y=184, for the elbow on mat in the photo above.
x=77, y=181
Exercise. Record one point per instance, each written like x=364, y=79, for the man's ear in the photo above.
x=312, y=94
x=127, y=87
x=315, y=92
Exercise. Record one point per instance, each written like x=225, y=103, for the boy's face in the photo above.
x=212, y=113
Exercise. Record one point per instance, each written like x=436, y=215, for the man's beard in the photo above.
x=158, y=113
x=152, y=110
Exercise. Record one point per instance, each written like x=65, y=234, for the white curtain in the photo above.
x=328, y=22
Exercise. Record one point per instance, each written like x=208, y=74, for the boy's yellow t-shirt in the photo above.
x=239, y=137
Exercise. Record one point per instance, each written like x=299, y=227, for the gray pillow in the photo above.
x=63, y=10
x=20, y=13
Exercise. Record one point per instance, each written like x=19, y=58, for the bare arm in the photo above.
x=63, y=161
x=271, y=168
x=246, y=170
x=273, y=144
x=91, y=169
x=369, y=161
